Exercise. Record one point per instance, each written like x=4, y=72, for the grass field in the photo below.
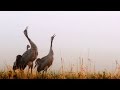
x=82, y=73
x=9, y=74
x=57, y=75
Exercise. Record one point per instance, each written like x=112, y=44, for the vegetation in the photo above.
x=83, y=73
x=53, y=75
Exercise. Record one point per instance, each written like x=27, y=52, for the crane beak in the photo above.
x=26, y=28
x=53, y=36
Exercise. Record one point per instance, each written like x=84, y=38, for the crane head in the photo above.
x=26, y=27
x=53, y=37
x=25, y=31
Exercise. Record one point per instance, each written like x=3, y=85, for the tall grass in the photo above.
x=83, y=72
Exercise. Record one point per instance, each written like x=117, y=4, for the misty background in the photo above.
x=79, y=34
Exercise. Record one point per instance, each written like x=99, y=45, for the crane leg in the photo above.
x=46, y=68
x=44, y=71
x=22, y=72
x=28, y=69
x=31, y=67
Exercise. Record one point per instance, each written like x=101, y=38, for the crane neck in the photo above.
x=51, y=51
x=33, y=46
x=27, y=48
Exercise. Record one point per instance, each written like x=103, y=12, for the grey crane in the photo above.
x=44, y=63
x=17, y=62
x=30, y=55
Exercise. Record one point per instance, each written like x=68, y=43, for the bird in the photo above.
x=17, y=62
x=44, y=63
x=30, y=55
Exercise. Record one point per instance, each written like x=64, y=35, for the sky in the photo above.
x=77, y=33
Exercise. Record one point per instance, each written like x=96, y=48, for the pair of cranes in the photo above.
x=30, y=55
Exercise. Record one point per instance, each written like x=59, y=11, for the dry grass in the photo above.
x=82, y=73
x=53, y=75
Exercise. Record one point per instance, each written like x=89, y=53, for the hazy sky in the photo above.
x=76, y=31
